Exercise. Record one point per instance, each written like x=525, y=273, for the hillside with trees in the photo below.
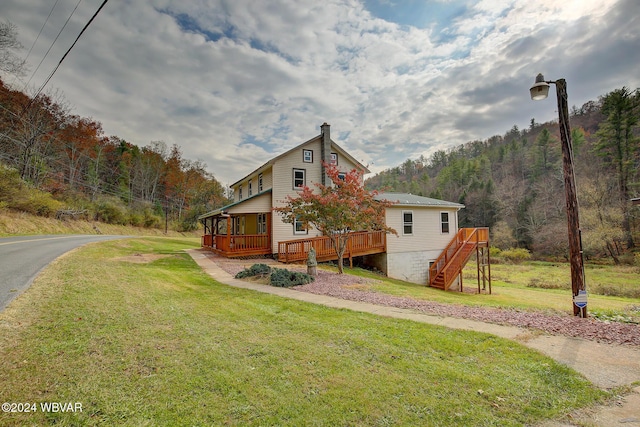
x=514, y=183
x=56, y=163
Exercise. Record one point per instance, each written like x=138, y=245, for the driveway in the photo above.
x=23, y=257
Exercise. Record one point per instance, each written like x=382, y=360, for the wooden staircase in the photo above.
x=448, y=266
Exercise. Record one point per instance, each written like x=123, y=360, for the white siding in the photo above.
x=267, y=180
x=427, y=235
x=344, y=164
x=255, y=205
x=408, y=256
x=282, y=178
x=267, y=183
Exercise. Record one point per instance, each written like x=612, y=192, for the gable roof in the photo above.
x=408, y=199
x=340, y=150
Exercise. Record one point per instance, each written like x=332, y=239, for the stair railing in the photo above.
x=449, y=264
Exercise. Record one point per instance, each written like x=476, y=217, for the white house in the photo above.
x=248, y=227
x=425, y=227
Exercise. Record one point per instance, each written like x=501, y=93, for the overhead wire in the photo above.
x=36, y=40
x=33, y=98
x=71, y=47
x=52, y=43
x=68, y=50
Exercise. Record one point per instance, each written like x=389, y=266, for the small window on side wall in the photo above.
x=298, y=179
x=334, y=159
x=407, y=223
x=444, y=222
x=307, y=156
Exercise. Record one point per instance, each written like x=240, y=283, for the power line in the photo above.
x=68, y=50
x=36, y=40
x=52, y=43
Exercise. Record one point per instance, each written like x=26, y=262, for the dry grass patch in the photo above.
x=140, y=258
x=21, y=223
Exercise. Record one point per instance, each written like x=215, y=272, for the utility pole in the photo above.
x=166, y=214
x=539, y=91
x=573, y=221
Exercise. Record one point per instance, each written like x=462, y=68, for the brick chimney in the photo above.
x=325, y=152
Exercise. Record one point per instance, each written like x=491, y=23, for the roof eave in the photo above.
x=221, y=210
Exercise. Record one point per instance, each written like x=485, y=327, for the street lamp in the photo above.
x=540, y=90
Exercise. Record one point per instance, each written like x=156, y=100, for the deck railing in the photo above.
x=359, y=243
x=238, y=245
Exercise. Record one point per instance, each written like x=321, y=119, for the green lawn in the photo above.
x=163, y=344
x=511, y=288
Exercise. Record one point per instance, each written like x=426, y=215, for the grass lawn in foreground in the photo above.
x=161, y=343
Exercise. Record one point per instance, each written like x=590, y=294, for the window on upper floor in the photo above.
x=334, y=159
x=298, y=179
x=239, y=192
x=250, y=188
x=407, y=223
x=260, y=183
x=307, y=156
x=444, y=222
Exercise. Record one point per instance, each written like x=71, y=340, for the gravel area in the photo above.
x=356, y=289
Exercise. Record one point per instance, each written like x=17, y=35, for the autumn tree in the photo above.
x=148, y=170
x=337, y=210
x=79, y=139
x=31, y=133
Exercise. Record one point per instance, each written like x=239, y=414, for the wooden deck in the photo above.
x=238, y=245
x=359, y=244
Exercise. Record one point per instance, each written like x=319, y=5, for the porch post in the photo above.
x=269, y=227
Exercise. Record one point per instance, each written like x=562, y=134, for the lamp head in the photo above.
x=540, y=89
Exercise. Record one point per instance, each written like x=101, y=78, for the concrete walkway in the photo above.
x=605, y=365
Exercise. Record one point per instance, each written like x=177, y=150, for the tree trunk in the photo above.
x=340, y=245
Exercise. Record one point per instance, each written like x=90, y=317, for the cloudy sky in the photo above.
x=235, y=82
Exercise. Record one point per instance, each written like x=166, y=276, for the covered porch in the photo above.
x=237, y=235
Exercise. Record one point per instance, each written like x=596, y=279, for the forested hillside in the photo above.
x=514, y=183
x=55, y=163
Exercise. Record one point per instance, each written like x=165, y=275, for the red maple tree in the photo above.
x=337, y=210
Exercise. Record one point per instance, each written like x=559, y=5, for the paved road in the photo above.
x=22, y=258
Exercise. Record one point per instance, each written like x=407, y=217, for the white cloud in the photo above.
x=235, y=82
